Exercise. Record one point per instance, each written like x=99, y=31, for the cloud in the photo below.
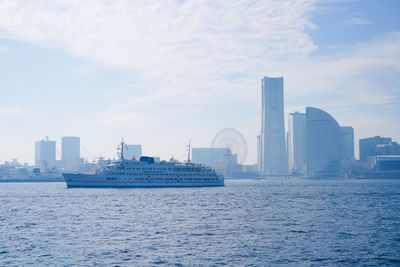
x=2, y=49
x=361, y=21
x=189, y=57
x=362, y=74
x=168, y=39
x=177, y=50
x=184, y=56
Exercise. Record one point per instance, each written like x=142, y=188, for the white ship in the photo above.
x=124, y=173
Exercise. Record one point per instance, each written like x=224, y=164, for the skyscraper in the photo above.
x=297, y=141
x=273, y=156
x=45, y=154
x=71, y=152
x=325, y=143
x=348, y=133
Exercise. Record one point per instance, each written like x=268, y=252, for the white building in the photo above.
x=45, y=154
x=348, y=133
x=273, y=158
x=210, y=156
x=296, y=141
x=132, y=151
x=71, y=152
x=325, y=143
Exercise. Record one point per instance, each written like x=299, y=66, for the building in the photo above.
x=353, y=168
x=393, y=148
x=273, y=158
x=133, y=152
x=259, y=153
x=324, y=144
x=71, y=152
x=384, y=166
x=220, y=158
x=45, y=154
x=348, y=133
x=210, y=156
x=367, y=146
x=296, y=141
x=385, y=163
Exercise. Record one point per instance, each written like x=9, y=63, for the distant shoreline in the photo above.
x=31, y=180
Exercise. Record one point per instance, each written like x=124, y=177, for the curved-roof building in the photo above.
x=325, y=143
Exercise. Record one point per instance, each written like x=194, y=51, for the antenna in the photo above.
x=189, y=150
x=122, y=149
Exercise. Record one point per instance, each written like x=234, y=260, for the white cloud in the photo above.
x=362, y=74
x=166, y=39
x=187, y=55
x=361, y=21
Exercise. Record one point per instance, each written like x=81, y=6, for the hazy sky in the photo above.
x=160, y=72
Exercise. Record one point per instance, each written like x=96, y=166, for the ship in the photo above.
x=145, y=173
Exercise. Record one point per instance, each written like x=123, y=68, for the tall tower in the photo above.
x=273, y=149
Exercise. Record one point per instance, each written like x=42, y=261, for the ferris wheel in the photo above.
x=233, y=140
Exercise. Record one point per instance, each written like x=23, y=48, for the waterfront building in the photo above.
x=384, y=166
x=273, y=158
x=325, y=144
x=393, y=148
x=296, y=141
x=367, y=146
x=45, y=154
x=71, y=152
x=133, y=151
x=348, y=133
x=353, y=168
x=212, y=155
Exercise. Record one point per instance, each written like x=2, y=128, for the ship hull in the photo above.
x=100, y=181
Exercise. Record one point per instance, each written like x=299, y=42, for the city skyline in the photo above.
x=188, y=69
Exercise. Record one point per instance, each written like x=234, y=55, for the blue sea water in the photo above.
x=247, y=222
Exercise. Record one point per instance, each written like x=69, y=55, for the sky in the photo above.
x=158, y=73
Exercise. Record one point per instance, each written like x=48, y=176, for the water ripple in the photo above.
x=246, y=223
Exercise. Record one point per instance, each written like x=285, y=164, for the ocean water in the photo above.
x=247, y=222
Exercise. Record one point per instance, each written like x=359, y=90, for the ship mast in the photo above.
x=122, y=149
x=188, y=161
